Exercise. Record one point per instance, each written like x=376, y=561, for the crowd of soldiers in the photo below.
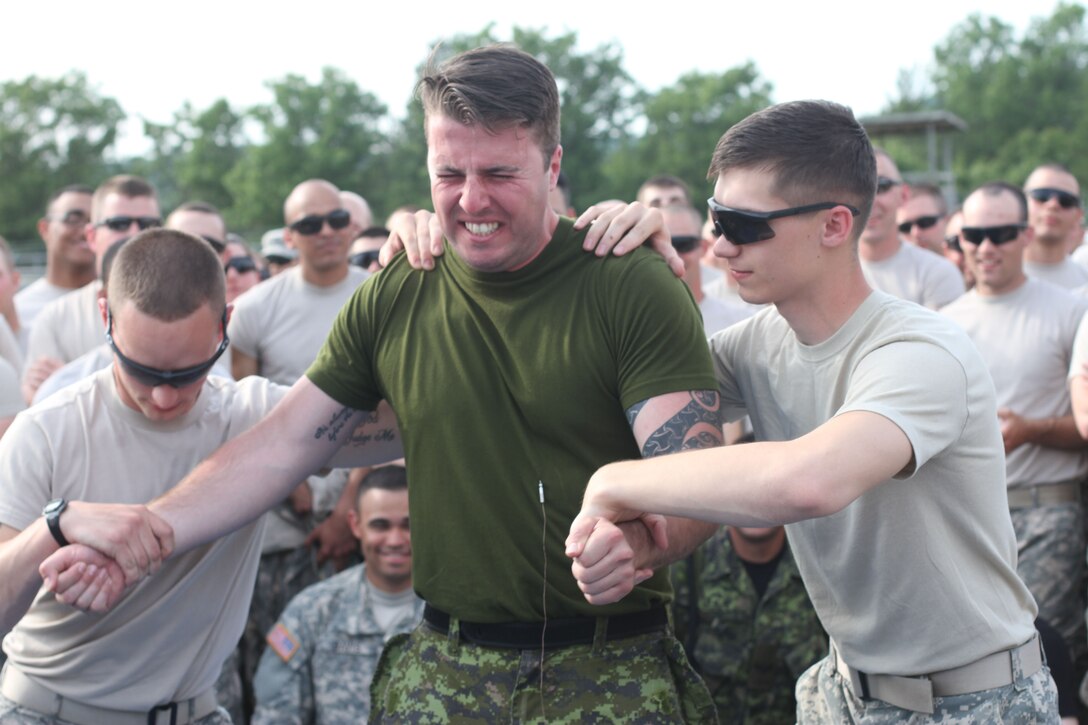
x=521, y=363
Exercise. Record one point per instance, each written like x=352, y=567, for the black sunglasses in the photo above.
x=307, y=225
x=365, y=259
x=749, y=227
x=241, y=265
x=71, y=218
x=685, y=243
x=1043, y=195
x=121, y=223
x=154, y=377
x=998, y=235
x=884, y=184
x=922, y=222
x=953, y=243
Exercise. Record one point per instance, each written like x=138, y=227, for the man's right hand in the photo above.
x=83, y=578
x=136, y=539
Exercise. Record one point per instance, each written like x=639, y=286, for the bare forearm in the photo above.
x=1058, y=432
x=19, y=578
x=684, y=535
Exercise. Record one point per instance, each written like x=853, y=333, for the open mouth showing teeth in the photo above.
x=482, y=229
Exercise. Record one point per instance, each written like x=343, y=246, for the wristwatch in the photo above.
x=52, y=512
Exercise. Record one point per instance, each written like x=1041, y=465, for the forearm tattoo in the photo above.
x=331, y=430
x=363, y=434
x=696, y=425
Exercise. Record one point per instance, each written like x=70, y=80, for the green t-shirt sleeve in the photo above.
x=344, y=368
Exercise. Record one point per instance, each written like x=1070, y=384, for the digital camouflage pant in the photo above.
x=12, y=713
x=824, y=697
x=429, y=677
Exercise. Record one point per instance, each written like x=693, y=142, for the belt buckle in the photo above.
x=153, y=713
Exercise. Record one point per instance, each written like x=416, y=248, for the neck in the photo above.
x=326, y=277
x=68, y=276
x=877, y=250
x=986, y=291
x=8, y=311
x=818, y=314
x=386, y=586
x=759, y=551
x=694, y=279
x=1045, y=253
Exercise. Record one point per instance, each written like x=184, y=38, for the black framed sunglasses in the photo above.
x=884, y=184
x=365, y=259
x=311, y=224
x=122, y=223
x=998, y=235
x=748, y=227
x=922, y=222
x=71, y=218
x=1045, y=194
x=241, y=265
x=952, y=241
x=154, y=377
x=685, y=243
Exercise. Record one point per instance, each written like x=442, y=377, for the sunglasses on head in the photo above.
x=922, y=222
x=748, y=227
x=311, y=224
x=241, y=265
x=71, y=218
x=154, y=377
x=121, y=223
x=365, y=259
x=685, y=243
x=1043, y=195
x=884, y=184
x=998, y=235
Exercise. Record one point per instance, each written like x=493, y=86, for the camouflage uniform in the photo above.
x=429, y=677
x=228, y=688
x=823, y=697
x=1050, y=560
x=333, y=643
x=12, y=713
x=749, y=649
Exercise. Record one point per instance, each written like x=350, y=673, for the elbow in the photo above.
x=816, y=496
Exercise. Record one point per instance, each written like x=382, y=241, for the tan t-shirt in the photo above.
x=917, y=275
x=919, y=573
x=1026, y=338
x=167, y=639
x=68, y=327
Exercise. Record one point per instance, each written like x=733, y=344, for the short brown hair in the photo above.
x=124, y=185
x=496, y=87
x=816, y=151
x=167, y=274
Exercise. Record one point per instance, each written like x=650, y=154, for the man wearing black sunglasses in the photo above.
x=922, y=217
x=71, y=326
x=878, y=446
x=1056, y=214
x=892, y=265
x=1025, y=328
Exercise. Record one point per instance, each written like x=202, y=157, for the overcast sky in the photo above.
x=152, y=57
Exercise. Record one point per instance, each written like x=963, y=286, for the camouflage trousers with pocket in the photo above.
x=825, y=698
x=430, y=677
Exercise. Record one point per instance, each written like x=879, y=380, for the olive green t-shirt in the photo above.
x=500, y=382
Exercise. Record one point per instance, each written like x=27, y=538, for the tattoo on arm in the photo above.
x=633, y=412
x=696, y=425
x=332, y=429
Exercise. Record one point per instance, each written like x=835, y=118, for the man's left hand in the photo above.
x=1015, y=429
x=605, y=564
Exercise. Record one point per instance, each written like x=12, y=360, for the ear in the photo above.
x=355, y=525
x=230, y=313
x=43, y=225
x=289, y=237
x=103, y=303
x=553, y=166
x=838, y=227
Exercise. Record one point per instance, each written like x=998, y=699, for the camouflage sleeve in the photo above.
x=283, y=685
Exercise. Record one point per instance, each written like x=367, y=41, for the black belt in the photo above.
x=562, y=632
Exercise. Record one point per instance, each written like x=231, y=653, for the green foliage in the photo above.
x=53, y=132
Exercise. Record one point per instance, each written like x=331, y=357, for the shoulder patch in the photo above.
x=282, y=642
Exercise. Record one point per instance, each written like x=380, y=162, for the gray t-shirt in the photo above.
x=919, y=573
x=68, y=326
x=917, y=275
x=1066, y=273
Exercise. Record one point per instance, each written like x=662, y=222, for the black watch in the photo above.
x=52, y=512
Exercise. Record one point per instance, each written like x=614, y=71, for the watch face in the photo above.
x=54, y=506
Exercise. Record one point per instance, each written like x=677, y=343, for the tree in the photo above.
x=327, y=130
x=683, y=124
x=53, y=132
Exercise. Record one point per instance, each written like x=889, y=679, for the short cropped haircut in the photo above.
x=665, y=181
x=997, y=188
x=167, y=275
x=70, y=189
x=124, y=185
x=815, y=150
x=932, y=191
x=496, y=87
x=387, y=478
x=200, y=206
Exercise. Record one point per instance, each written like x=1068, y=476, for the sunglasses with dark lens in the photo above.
x=953, y=242
x=154, y=377
x=121, y=223
x=307, y=225
x=365, y=259
x=217, y=244
x=241, y=265
x=685, y=243
x=71, y=218
x=884, y=184
x=922, y=222
x=998, y=235
x=1043, y=195
x=748, y=227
